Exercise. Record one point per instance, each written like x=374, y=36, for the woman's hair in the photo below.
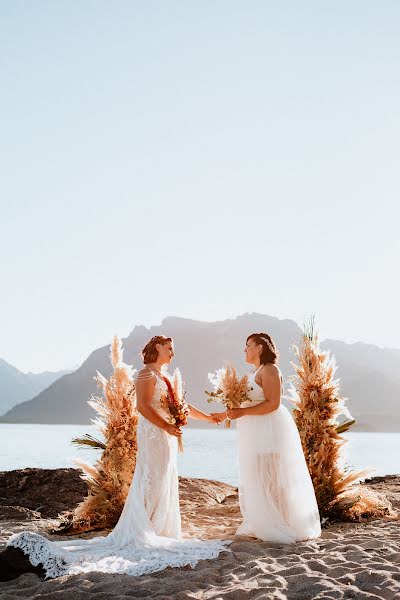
x=269, y=353
x=150, y=352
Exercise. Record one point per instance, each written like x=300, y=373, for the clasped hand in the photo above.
x=231, y=413
x=218, y=417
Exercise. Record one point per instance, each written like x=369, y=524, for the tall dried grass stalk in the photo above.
x=109, y=479
x=316, y=396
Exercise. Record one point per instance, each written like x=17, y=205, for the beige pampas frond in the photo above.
x=316, y=397
x=109, y=479
x=177, y=384
x=361, y=503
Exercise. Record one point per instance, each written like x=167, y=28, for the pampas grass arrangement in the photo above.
x=109, y=479
x=229, y=389
x=316, y=396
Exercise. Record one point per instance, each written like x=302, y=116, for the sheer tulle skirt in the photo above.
x=276, y=494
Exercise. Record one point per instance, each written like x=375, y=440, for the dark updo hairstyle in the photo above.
x=150, y=352
x=269, y=353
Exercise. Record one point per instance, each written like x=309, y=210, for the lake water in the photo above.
x=209, y=453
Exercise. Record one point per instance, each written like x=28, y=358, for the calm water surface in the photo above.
x=208, y=453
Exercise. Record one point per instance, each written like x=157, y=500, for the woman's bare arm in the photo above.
x=195, y=413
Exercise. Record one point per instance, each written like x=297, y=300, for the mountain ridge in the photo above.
x=17, y=386
x=366, y=372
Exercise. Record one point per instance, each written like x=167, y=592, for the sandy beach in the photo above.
x=350, y=560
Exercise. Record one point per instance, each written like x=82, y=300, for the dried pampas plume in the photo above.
x=109, y=479
x=318, y=404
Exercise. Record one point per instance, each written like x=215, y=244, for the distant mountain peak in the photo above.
x=17, y=387
x=173, y=321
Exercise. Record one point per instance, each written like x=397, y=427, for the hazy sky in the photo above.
x=200, y=159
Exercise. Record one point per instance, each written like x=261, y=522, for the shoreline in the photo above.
x=356, y=428
x=361, y=450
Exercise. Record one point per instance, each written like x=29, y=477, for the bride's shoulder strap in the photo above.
x=145, y=374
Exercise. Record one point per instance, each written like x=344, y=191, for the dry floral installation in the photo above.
x=110, y=478
x=229, y=389
x=316, y=397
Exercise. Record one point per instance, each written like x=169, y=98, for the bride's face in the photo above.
x=252, y=351
x=165, y=352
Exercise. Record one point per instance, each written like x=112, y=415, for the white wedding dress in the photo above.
x=147, y=537
x=276, y=494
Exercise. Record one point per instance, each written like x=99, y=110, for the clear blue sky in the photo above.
x=200, y=159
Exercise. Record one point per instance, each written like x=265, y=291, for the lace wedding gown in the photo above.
x=147, y=537
x=276, y=494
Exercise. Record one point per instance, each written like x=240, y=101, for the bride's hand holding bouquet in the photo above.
x=174, y=402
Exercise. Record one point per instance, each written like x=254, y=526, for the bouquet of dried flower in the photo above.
x=174, y=402
x=228, y=388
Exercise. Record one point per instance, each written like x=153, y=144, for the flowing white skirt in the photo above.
x=147, y=537
x=276, y=494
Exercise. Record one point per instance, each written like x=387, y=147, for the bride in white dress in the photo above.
x=276, y=494
x=147, y=537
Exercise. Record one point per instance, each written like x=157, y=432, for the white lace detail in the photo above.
x=38, y=550
x=147, y=537
x=106, y=558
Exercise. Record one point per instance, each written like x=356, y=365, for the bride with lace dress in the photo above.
x=147, y=537
x=276, y=494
